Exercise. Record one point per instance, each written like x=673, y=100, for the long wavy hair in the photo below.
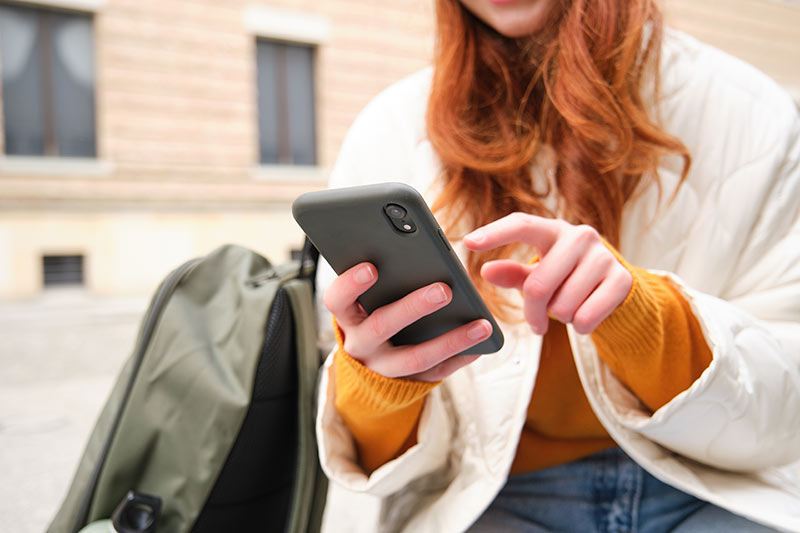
x=576, y=87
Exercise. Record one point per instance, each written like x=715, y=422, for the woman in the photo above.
x=626, y=201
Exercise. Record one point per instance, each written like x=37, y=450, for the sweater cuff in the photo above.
x=371, y=391
x=652, y=341
x=635, y=326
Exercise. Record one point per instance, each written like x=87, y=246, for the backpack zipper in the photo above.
x=152, y=316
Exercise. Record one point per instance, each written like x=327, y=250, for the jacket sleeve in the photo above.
x=740, y=273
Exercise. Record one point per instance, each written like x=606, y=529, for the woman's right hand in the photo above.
x=366, y=337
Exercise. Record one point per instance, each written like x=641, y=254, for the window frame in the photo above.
x=291, y=27
x=285, y=149
x=94, y=166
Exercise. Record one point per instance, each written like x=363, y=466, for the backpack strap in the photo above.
x=309, y=259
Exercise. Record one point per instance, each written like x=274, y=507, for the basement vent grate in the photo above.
x=62, y=270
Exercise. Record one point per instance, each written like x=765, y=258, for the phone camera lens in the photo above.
x=395, y=211
x=398, y=216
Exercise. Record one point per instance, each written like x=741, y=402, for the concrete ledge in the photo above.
x=55, y=166
x=287, y=25
x=76, y=5
x=290, y=173
x=17, y=193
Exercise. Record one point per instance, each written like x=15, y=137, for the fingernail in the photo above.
x=478, y=331
x=476, y=236
x=364, y=274
x=436, y=295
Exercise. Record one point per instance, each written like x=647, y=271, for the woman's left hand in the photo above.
x=577, y=279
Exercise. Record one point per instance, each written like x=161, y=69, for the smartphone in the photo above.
x=390, y=226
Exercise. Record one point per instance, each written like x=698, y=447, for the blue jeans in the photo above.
x=606, y=492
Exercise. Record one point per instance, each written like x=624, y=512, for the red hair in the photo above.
x=575, y=87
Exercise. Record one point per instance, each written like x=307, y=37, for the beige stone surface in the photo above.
x=177, y=166
x=59, y=357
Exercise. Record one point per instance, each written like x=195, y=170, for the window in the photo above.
x=286, y=121
x=48, y=82
x=60, y=270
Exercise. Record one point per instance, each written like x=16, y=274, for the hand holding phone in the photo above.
x=367, y=336
x=400, y=286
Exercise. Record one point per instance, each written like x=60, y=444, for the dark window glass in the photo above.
x=268, y=98
x=48, y=82
x=62, y=270
x=286, y=118
x=23, y=113
x=300, y=102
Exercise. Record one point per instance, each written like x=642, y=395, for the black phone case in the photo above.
x=349, y=226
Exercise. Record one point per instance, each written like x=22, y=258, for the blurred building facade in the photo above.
x=167, y=127
x=137, y=134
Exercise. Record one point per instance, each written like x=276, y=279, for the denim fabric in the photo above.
x=606, y=493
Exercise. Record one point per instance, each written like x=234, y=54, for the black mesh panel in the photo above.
x=254, y=490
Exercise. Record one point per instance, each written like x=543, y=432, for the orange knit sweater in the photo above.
x=652, y=342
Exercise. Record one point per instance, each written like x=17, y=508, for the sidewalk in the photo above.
x=59, y=356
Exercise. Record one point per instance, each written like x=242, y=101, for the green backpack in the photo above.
x=212, y=415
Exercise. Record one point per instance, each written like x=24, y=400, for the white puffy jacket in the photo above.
x=730, y=241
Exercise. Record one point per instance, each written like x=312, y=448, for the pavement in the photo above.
x=59, y=357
